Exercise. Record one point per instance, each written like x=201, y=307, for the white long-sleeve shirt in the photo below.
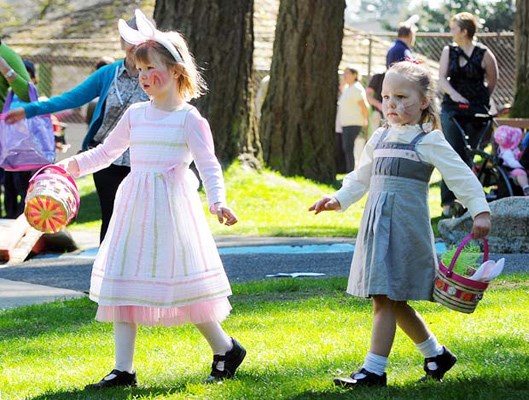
x=432, y=149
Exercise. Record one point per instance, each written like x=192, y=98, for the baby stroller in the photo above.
x=481, y=152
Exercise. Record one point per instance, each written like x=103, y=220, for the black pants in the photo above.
x=15, y=189
x=454, y=136
x=349, y=135
x=107, y=182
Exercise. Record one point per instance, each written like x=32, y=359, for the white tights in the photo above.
x=125, y=339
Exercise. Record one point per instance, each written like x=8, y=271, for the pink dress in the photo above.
x=159, y=264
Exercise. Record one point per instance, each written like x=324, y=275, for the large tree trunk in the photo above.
x=521, y=38
x=220, y=35
x=298, y=115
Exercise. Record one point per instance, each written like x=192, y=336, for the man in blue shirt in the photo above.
x=401, y=48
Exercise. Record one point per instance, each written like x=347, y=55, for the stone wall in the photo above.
x=510, y=226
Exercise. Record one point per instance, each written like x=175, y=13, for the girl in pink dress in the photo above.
x=158, y=263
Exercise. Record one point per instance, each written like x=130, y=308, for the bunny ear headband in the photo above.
x=146, y=31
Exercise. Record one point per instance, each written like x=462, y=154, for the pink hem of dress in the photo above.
x=198, y=313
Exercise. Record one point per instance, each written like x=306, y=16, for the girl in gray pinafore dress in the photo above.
x=394, y=259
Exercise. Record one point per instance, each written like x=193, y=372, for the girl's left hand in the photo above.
x=70, y=165
x=481, y=226
x=223, y=212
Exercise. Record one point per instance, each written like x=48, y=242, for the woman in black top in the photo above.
x=468, y=73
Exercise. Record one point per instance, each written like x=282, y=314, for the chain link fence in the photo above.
x=63, y=64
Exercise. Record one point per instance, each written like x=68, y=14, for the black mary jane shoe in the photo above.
x=114, y=379
x=444, y=361
x=232, y=359
x=368, y=379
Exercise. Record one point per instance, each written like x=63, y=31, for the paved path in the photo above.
x=241, y=257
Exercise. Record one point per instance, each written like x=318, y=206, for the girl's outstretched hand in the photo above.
x=70, y=165
x=325, y=204
x=223, y=212
x=481, y=226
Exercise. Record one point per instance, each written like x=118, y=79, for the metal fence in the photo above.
x=63, y=64
x=368, y=50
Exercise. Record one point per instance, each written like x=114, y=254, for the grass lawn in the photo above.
x=268, y=204
x=299, y=333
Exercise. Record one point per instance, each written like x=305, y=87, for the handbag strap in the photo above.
x=32, y=92
x=463, y=243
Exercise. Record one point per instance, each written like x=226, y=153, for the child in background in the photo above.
x=508, y=139
x=158, y=264
x=395, y=259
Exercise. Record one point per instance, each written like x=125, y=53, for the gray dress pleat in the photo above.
x=395, y=253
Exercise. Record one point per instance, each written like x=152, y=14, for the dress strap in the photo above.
x=382, y=137
x=418, y=138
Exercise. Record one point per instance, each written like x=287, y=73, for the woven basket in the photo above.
x=455, y=291
x=52, y=201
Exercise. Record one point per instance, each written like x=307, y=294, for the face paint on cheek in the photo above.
x=158, y=78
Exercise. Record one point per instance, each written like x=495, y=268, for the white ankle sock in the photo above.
x=375, y=363
x=430, y=347
x=124, y=338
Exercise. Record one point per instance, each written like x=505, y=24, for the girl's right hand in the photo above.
x=15, y=115
x=326, y=203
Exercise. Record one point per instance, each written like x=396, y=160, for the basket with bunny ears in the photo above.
x=463, y=293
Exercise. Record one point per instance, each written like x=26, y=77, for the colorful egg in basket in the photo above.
x=52, y=201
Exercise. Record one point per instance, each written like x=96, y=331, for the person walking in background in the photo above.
x=468, y=73
x=395, y=259
x=374, y=98
x=401, y=49
x=90, y=107
x=117, y=87
x=353, y=114
x=158, y=263
x=14, y=76
x=16, y=183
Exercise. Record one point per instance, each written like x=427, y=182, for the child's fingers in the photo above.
x=231, y=218
x=220, y=215
x=319, y=206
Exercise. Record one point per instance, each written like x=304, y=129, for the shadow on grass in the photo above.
x=249, y=386
x=115, y=393
x=475, y=388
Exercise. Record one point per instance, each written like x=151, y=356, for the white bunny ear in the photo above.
x=129, y=34
x=145, y=27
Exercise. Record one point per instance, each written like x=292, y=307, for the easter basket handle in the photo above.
x=463, y=243
x=63, y=174
x=61, y=170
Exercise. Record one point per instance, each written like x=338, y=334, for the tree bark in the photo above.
x=520, y=106
x=220, y=36
x=298, y=115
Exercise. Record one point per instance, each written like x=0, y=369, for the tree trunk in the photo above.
x=298, y=115
x=220, y=36
x=520, y=107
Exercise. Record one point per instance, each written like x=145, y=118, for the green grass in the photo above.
x=268, y=204
x=299, y=333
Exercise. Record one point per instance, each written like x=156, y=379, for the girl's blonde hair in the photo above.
x=419, y=75
x=191, y=84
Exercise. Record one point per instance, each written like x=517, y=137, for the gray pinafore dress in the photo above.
x=395, y=253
